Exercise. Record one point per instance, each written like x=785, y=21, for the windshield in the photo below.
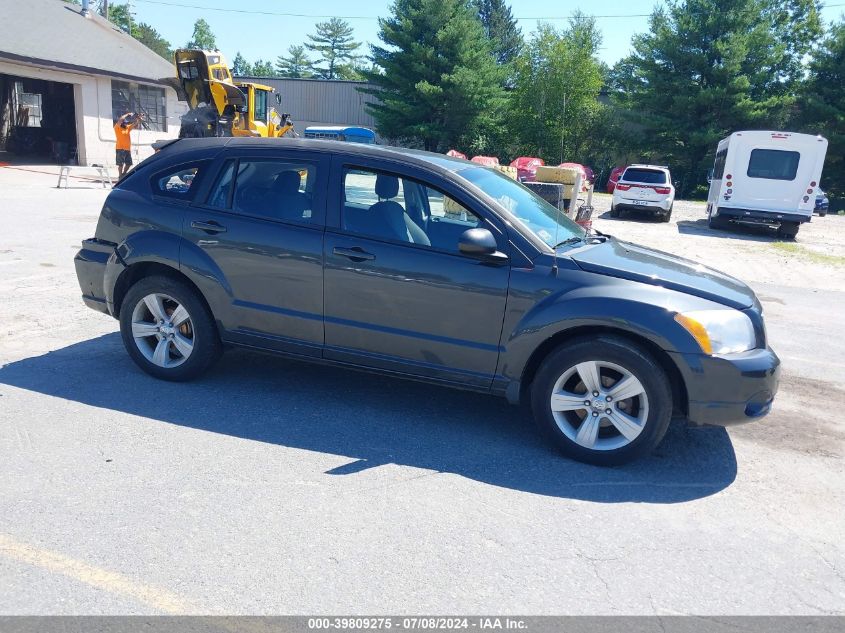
x=538, y=216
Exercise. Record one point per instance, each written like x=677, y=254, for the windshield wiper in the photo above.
x=571, y=240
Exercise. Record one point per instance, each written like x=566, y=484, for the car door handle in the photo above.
x=356, y=253
x=208, y=227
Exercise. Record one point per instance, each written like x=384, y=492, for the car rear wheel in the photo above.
x=716, y=222
x=614, y=212
x=788, y=230
x=666, y=215
x=167, y=329
x=603, y=401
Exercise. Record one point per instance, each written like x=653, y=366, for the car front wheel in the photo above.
x=167, y=329
x=602, y=401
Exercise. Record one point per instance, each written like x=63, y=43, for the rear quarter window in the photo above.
x=179, y=182
x=647, y=176
x=773, y=164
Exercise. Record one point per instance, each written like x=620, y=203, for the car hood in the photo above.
x=645, y=265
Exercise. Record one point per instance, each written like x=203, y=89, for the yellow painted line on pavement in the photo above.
x=110, y=581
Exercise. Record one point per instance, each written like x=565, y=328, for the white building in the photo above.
x=66, y=75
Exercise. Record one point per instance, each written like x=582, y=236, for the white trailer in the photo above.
x=766, y=178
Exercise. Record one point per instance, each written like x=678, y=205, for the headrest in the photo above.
x=387, y=186
x=287, y=182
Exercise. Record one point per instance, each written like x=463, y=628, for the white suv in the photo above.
x=644, y=188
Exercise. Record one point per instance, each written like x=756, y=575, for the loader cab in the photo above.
x=255, y=119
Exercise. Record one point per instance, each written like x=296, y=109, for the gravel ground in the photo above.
x=275, y=487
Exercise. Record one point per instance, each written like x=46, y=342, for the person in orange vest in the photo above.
x=123, y=146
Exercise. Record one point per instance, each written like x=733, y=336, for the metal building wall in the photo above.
x=320, y=101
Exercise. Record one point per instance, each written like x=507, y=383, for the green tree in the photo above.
x=263, y=68
x=296, y=64
x=823, y=105
x=336, y=46
x=202, y=38
x=709, y=67
x=435, y=79
x=554, y=101
x=121, y=16
x=501, y=29
x=241, y=67
x=153, y=40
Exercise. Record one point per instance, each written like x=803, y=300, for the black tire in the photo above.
x=716, y=222
x=202, y=329
x=626, y=355
x=665, y=217
x=788, y=230
x=614, y=212
x=822, y=214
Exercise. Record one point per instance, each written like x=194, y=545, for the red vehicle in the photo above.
x=487, y=161
x=526, y=167
x=615, y=175
x=456, y=154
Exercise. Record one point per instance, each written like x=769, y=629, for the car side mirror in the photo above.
x=480, y=244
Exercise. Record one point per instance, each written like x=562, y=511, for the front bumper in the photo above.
x=90, y=263
x=729, y=389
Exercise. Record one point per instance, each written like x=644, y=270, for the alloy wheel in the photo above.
x=163, y=330
x=599, y=405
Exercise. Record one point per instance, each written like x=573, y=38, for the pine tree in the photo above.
x=335, y=44
x=823, y=105
x=501, y=29
x=296, y=64
x=710, y=67
x=241, y=67
x=202, y=38
x=435, y=79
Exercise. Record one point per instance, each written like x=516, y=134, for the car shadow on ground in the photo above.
x=374, y=420
x=746, y=232
x=632, y=216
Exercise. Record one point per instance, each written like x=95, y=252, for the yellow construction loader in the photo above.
x=219, y=106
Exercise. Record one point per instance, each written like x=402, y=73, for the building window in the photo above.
x=132, y=97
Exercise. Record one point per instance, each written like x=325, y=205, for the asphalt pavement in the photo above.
x=276, y=487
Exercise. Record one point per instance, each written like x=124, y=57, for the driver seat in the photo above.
x=391, y=214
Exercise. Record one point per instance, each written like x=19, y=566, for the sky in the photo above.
x=241, y=26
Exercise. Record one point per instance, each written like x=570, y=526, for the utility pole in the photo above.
x=104, y=8
x=562, y=127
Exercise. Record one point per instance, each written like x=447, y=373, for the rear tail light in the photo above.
x=730, y=184
x=806, y=198
x=622, y=187
x=662, y=190
x=809, y=191
x=730, y=177
x=813, y=184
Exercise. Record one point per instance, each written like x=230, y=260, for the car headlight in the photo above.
x=719, y=331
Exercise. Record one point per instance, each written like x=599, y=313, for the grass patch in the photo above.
x=791, y=248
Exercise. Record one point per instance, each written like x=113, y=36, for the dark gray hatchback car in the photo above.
x=427, y=267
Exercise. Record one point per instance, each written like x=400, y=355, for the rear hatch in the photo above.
x=644, y=185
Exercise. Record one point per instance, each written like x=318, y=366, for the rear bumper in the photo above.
x=730, y=389
x=753, y=216
x=90, y=263
x=652, y=206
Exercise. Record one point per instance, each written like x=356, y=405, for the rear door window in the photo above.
x=271, y=189
x=773, y=164
x=647, y=176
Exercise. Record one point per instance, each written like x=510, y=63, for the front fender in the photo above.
x=589, y=300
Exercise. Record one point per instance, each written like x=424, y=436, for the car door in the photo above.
x=398, y=294
x=260, y=229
